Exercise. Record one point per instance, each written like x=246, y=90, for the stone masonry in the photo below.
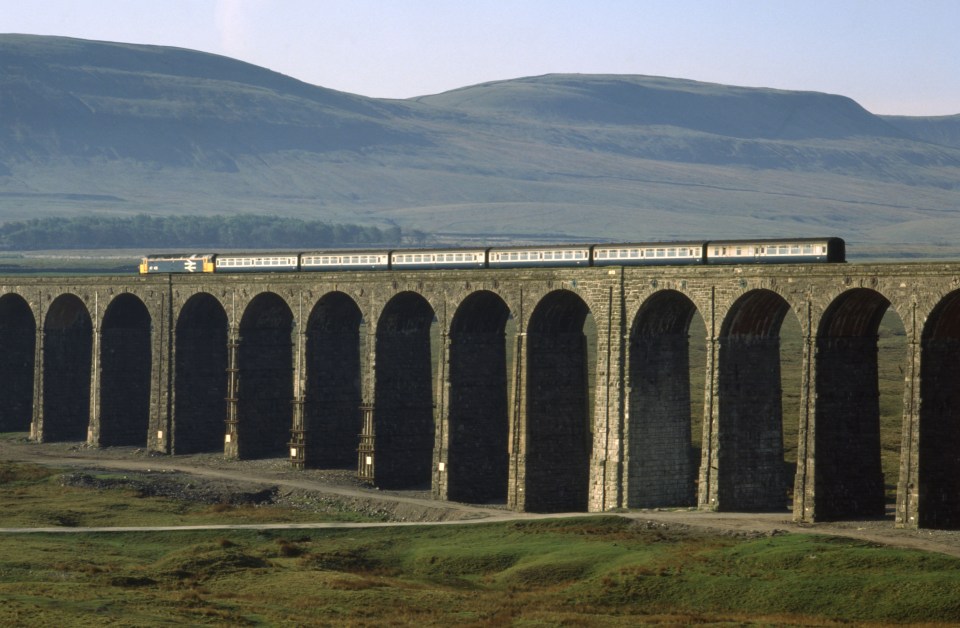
x=546, y=389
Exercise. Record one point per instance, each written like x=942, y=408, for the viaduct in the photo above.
x=547, y=389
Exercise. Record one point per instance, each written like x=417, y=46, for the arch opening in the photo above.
x=938, y=471
x=751, y=472
x=848, y=476
x=661, y=460
x=18, y=338
x=200, y=374
x=67, y=352
x=125, y=363
x=559, y=428
x=403, y=393
x=478, y=465
x=332, y=414
x=265, y=378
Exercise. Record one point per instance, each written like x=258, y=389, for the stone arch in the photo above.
x=848, y=477
x=125, y=365
x=938, y=473
x=67, y=352
x=403, y=393
x=558, y=434
x=751, y=473
x=332, y=414
x=200, y=375
x=660, y=460
x=18, y=337
x=478, y=423
x=265, y=378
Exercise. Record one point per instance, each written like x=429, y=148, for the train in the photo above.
x=713, y=252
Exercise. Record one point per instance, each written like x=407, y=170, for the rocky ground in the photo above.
x=211, y=478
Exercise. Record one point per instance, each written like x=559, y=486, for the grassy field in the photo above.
x=38, y=496
x=590, y=571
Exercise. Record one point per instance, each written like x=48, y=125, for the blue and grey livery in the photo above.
x=713, y=252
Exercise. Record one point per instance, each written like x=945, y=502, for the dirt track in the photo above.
x=213, y=475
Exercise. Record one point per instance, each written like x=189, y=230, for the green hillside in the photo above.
x=121, y=129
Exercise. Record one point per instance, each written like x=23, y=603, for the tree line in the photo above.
x=154, y=232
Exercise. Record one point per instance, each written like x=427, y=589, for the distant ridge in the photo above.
x=943, y=130
x=656, y=101
x=123, y=129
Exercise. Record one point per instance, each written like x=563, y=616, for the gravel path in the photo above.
x=214, y=478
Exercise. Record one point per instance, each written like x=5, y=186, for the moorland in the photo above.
x=642, y=567
x=101, y=128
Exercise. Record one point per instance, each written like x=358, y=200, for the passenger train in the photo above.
x=781, y=251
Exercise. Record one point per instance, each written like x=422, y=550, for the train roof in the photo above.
x=261, y=254
x=832, y=240
x=346, y=252
x=649, y=245
x=543, y=247
x=448, y=249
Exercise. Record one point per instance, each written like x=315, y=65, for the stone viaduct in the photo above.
x=546, y=389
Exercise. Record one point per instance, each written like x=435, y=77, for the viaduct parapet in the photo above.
x=548, y=389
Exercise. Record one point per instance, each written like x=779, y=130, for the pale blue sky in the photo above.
x=891, y=56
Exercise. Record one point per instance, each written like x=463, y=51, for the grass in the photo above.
x=591, y=571
x=37, y=496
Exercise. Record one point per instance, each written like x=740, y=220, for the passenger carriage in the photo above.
x=648, y=254
x=538, y=256
x=344, y=260
x=793, y=251
x=438, y=259
x=256, y=262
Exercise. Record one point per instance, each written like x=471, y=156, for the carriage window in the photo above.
x=671, y=252
x=660, y=252
x=601, y=255
x=794, y=249
x=634, y=253
x=808, y=249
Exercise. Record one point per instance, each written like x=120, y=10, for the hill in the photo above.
x=121, y=129
x=943, y=130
